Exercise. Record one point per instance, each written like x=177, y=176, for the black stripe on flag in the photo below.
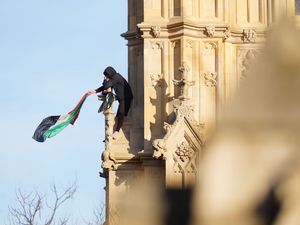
x=43, y=127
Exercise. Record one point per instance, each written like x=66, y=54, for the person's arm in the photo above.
x=100, y=89
x=105, y=85
x=108, y=83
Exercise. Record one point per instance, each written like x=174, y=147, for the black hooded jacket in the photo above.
x=118, y=83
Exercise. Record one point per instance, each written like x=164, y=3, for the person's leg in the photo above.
x=119, y=118
x=124, y=106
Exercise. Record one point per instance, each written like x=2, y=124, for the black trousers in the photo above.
x=123, y=109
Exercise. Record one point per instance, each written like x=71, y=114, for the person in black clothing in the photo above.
x=123, y=93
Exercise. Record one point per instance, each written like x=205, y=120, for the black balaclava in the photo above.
x=109, y=72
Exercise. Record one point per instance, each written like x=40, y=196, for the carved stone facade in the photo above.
x=185, y=61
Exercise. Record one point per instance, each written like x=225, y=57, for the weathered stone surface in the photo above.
x=186, y=60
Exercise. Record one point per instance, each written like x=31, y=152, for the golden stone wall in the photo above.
x=185, y=61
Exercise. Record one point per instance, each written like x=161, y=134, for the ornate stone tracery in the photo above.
x=180, y=157
x=185, y=158
x=182, y=111
x=184, y=151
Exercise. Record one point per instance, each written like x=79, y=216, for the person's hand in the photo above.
x=91, y=92
x=106, y=90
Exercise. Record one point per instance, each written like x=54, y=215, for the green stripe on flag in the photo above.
x=57, y=128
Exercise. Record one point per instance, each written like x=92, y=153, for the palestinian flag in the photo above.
x=52, y=125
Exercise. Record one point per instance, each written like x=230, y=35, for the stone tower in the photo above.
x=185, y=61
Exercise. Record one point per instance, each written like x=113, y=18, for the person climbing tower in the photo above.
x=123, y=94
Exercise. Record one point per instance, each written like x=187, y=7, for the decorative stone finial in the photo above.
x=183, y=83
x=108, y=160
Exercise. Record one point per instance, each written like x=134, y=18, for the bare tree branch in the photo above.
x=99, y=216
x=60, y=199
x=34, y=209
x=28, y=207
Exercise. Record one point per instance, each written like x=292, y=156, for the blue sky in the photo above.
x=51, y=52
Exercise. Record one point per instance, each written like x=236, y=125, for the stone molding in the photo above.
x=201, y=30
x=227, y=34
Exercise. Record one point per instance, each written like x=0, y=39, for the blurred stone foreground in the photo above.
x=250, y=171
x=250, y=174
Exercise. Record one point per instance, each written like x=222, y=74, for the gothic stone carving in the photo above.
x=183, y=83
x=156, y=80
x=184, y=158
x=184, y=151
x=160, y=150
x=227, y=34
x=109, y=161
x=209, y=48
x=210, y=30
x=181, y=110
x=159, y=145
x=157, y=45
x=184, y=68
x=245, y=58
x=155, y=31
x=249, y=35
x=210, y=78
